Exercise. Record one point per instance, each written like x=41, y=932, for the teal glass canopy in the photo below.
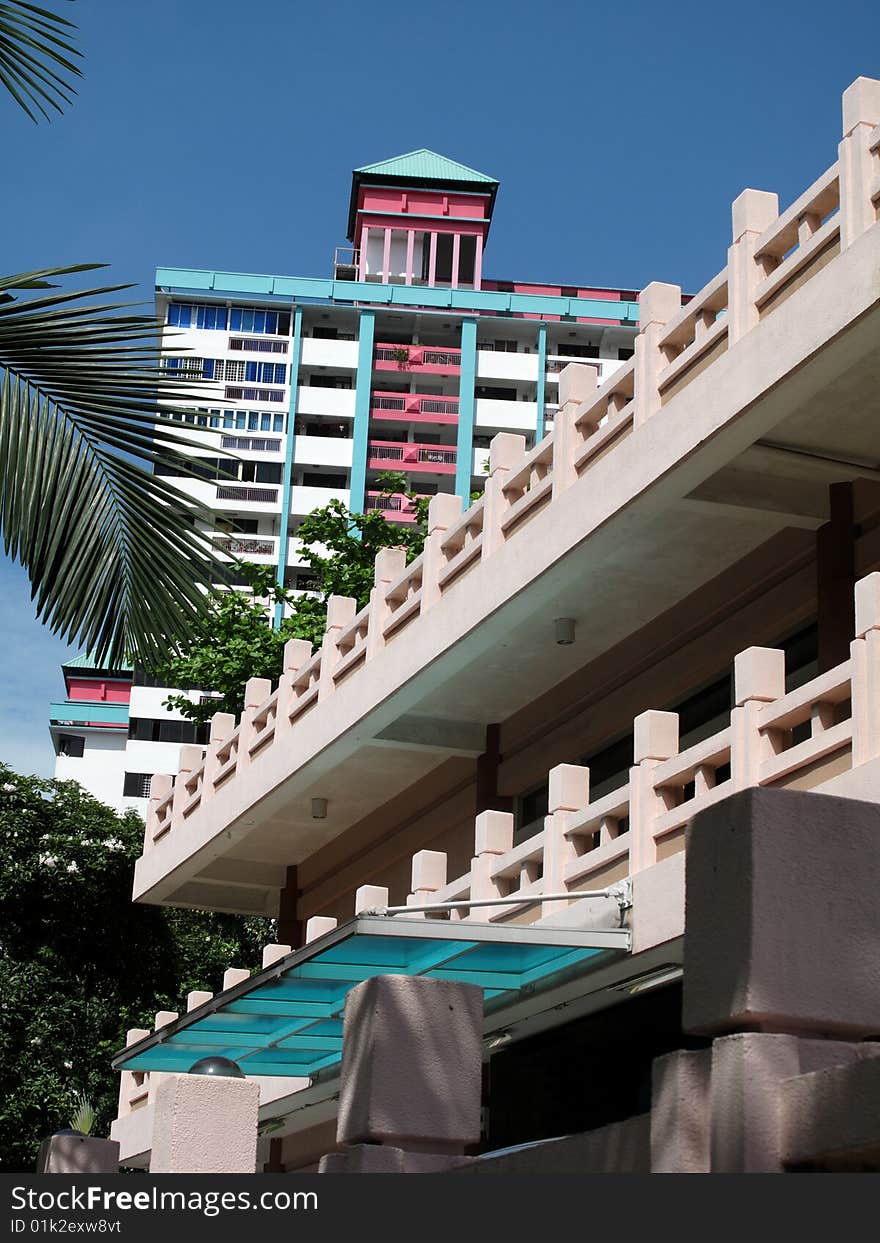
x=287, y=1019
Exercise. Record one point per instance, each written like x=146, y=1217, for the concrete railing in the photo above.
x=770, y=257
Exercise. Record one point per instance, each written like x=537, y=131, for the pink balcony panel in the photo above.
x=414, y=408
x=393, y=455
x=420, y=359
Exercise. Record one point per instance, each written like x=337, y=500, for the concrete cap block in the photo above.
x=163, y=1018
x=506, y=451
x=680, y=1112
x=658, y=303
x=861, y=104
x=782, y=917
x=831, y=1117
x=390, y=564
x=78, y=1154
x=190, y=758
x=759, y=673
x=753, y=211
x=493, y=832
x=340, y=611
x=577, y=382
x=205, y=1124
x=296, y=653
x=256, y=692
x=444, y=510
x=867, y=604
x=222, y=726
x=655, y=736
x=233, y=976
x=428, y=870
x=161, y=785
x=411, y=1063
x=569, y=787
x=197, y=998
x=272, y=953
x=134, y=1034
x=368, y=896
x=318, y=926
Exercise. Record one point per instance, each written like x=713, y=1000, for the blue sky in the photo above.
x=209, y=133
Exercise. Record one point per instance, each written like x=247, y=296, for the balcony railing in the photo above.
x=416, y=358
x=396, y=508
x=260, y=496
x=414, y=407
x=436, y=458
x=239, y=545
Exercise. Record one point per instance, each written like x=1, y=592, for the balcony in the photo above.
x=391, y=455
x=518, y=416
x=246, y=546
x=89, y=713
x=306, y=497
x=506, y=365
x=327, y=352
x=243, y=495
x=394, y=507
x=417, y=359
x=413, y=408
x=338, y=403
x=322, y=451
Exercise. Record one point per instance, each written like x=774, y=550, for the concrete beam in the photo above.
x=424, y=733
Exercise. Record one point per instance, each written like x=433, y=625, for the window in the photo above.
x=191, y=367
x=329, y=381
x=258, y=345
x=264, y=373
x=210, y=317
x=146, y=729
x=137, y=785
x=253, y=394
x=467, y=259
x=252, y=319
x=311, y=479
x=256, y=444
x=567, y=350
x=71, y=745
x=624, y=354
x=180, y=314
x=443, y=269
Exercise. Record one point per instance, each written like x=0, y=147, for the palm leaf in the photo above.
x=114, y=556
x=34, y=46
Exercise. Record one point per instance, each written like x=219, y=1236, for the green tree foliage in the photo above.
x=236, y=640
x=79, y=962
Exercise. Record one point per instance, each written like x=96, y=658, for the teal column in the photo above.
x=295, y=356
x=542, y=381
x=466, y=408
x=363, y=388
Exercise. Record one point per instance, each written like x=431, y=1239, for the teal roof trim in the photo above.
x=88, y=661
x=425, y=164
x=304, y=288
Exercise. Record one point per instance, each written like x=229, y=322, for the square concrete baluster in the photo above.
x=444, y=510
x=861, y=113
x=658, y=304
x=390, y=564
x=161, y=788
x=505, y=454
x=752, y=214
x=493, y=837
x=369, y=896
x=205, y=1124
x=758, y=679
x=319, y=926
x=233, y=976
x=222, y=727
x=428, y=875
x=297, y=652
x=273, y=953
x=782, y=918
x=190, y=760
x=130, y=1082
x=411, y=1064
x=655, y=739
x=198, y=997
x=340, y=611
x=865, y=653
x=256, y=692
x=161, y=1019
x=569, y=792
x=577, y=386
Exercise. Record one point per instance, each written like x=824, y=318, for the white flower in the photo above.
x=72, y=866
x=113, y=843
x=68, y=1065
x=48, y=861
x=8, y=787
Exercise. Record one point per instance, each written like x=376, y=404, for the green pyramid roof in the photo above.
x=424, y=164
x=422, y=167
x=87, y=661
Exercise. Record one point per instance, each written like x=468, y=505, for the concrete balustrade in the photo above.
x=771, y=255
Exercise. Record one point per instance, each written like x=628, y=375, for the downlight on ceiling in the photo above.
x=319, y=809
x=564, y=630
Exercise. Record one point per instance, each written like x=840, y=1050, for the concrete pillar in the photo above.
x=411, y=1064
x=72, y=1153
x=205, y=1124
x=680, y=1130
x=836, y=578
x=487, y=774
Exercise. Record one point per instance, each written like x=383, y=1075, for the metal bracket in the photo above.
x=622, y=893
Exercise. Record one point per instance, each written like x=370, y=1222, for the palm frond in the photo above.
x=113, y=551
x=35, y=52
